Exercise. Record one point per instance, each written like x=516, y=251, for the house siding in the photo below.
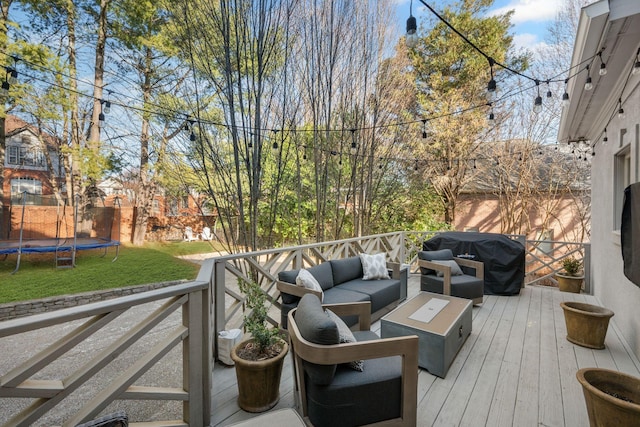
x=611, y=286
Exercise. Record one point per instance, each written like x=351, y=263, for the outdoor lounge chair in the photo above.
x=206, y=234
x=328, y=391
x=189, y=236
x=441, y=274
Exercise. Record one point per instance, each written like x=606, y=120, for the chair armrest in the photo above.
x=395, y=269
x=360, y=309
x=477, y=265
x=298, y=291
x=446, y=273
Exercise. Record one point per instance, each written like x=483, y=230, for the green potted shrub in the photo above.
x=572, y=278
x=258, y=360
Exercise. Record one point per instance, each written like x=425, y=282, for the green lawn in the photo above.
x=155, y=262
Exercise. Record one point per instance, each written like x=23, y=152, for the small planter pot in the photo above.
x=612, y=398
x=571, y=284
x=586, y=324
x=258, y=381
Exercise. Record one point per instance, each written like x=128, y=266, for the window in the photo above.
x=31, y=186
x=185, y=202
x=25, y=156
x=622, y=179
x=172, y=209
x=155, y=207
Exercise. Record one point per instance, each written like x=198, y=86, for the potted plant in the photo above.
x=571, y=280
x=258, y=360
x=586, y=324
x=612, y=398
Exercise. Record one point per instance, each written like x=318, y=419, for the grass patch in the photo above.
x=38, y=277
x=178, y=248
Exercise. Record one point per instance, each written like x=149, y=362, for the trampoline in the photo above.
x=79, y=234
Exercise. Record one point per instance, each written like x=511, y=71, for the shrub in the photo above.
x=571, y=266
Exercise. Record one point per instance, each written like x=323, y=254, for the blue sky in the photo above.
x=530, y=19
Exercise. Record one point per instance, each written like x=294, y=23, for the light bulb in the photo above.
x=354, y=148
x=565, y=99
x=101, y=119
x=192, y=137
x=491, y=116
x=549, y=94
x=13, y=75
x=412, y=38
x=274, y=147
x=621, y=114
x=5, y=88
x=603, y=69
x=537, y=104
x=588, y=85
x=107, y=107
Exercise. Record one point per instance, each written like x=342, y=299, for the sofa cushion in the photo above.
x=323, y=274
x=374, y=266
x=380, y=292
x=306, y=280
x=464, y=286
x=358, y=398
x=316, y=327
x=346, y=269
x=442, y=254
x=289, y=276
x=339, y=294
x=346, y=336
x=455, y=268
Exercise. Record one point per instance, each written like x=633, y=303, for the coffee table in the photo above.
x=441, y=322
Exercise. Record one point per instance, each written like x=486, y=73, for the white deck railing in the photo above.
x=542, y=262
x=84, y=324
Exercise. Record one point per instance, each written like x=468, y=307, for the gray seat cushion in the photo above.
x=316, y=327
x=322, y=273
x=464, y=286
x=346, y=269
x=441, y=255
x=355, y=398
x=339, y=295
x=381, y=292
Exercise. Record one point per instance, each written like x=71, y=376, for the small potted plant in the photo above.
x=258, y=360
x=571, y=280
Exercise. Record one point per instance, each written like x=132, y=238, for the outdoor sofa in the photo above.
x=342, y=282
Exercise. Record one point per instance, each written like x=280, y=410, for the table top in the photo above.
x=440, y=323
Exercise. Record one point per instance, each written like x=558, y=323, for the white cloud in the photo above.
x=529, y=10
x=528, y=41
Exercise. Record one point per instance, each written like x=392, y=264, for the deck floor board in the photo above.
x=516, y=368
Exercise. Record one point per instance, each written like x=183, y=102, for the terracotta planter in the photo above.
x=258, y=381
x=586, y=324
x=569, y=283
x=612, y=398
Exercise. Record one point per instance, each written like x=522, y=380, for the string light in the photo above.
x=424, y=129
x=537, y=103
x=549, y=94
x=565, y=95
x=605, y=139
x=636, y=67
x=588, y=85
x=621, y=114
x=603, y=67
x=412, y=26
x=491, y=86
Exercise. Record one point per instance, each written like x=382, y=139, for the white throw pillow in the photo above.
x=306, y=280
x=455, y=268
x=346, y=336
x=374, y=266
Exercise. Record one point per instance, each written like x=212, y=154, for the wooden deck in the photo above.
x=515, y=369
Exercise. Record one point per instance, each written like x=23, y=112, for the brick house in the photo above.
x=31, y=163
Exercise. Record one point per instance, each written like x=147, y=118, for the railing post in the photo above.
x=218, y=296
x=194, y=363
x=587, y=268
